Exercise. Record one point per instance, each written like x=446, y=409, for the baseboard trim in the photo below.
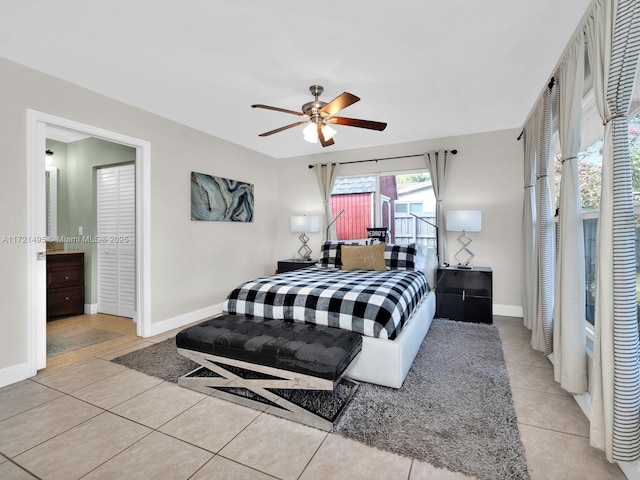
x=90, y=308
x=15, y=373
x=185, y=319
x=508, y=310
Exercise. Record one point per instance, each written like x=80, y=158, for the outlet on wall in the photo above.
x=80, y=230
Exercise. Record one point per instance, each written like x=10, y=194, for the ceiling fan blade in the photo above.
x=266, y=134
x=324, y=142
x=340, y=102
x=277, y=109
x=356, y=122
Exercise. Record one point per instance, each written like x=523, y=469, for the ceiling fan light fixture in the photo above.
x=328, y=132
x=319, y=114
x=310, y=133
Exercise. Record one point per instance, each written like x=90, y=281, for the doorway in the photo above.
x=37, y=123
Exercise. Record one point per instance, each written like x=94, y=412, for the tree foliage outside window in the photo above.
x=590, y=168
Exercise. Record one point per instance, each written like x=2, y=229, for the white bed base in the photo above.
x=387, y=362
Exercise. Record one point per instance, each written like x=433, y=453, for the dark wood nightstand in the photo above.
x=294, y=264
x=465, y=294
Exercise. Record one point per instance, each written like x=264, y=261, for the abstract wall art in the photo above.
x=220, y=199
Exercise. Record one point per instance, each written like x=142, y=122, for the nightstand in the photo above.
x=465, y=294
x=294, y=264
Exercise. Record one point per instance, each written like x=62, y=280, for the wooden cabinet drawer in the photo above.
x=65, y=301
x=65, y=284
x=65, y=277
x=61, y=296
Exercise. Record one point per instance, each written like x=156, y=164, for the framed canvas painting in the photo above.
x=220, y=199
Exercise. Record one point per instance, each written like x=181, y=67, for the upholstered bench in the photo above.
x=261, y=355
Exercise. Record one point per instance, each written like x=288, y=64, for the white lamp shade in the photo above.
x=305, y=223
x=310, y=133
x=464, y=220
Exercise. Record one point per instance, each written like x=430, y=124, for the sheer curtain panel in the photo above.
x=569, y=352
x=542, y=333
x=326, y=176
x=437, y=164
x=529, y=219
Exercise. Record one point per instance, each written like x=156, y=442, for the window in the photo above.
x=590, y=170
x=385, y=200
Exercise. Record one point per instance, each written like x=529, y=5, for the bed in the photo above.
x=391, y=306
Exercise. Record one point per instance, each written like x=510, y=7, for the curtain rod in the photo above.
x=549, y=86
x=453, y=152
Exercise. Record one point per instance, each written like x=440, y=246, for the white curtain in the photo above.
x=437, y=164
x=529, y=219
x=569, y=352
x=613, y=45
x=326, y=175
x=542, y=331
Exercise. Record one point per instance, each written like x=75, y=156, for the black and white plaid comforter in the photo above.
x=376, y=304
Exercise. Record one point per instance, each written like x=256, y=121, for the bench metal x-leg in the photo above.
x=281, y=379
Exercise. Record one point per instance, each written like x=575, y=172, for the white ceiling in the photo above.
x=428, y=68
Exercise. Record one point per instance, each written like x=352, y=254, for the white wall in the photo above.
x=193, y=264
x=485, y=174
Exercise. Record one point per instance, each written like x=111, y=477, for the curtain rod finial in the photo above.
x=454, y=151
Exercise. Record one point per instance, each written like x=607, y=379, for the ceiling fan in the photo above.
x=319, y=115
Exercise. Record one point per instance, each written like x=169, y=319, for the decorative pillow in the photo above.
x=330, y=255
x=365, y=257
x=420, y=259
x=400, y=257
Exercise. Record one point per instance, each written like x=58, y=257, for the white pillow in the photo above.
x=431, y=266
x=421, y=258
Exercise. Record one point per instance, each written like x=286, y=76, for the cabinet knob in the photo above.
x=66, y=277
x=66, y=298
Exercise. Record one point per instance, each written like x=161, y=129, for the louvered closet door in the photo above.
x=116, y=240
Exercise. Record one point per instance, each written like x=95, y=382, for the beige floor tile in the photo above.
x=24, y=397
x=268, y=445
x=167, y=399
x=340, y=457
x=220, y=468
x=62, y=360
x=95, y=349
x=13, y=385
x=30, y=428
x=10, y=471
x=116, y=389
x=79, y=375
x=210, y=424
x=122, y=349
x=525, y=356
x=515, y=335
x=426, y=471
x=89, y=445
x=156, y=456
x=561, y=456
x=551, y=411
x=533, y=378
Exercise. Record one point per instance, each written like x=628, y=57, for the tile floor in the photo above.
x=85, y=417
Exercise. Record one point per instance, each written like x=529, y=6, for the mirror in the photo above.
x=51, y=182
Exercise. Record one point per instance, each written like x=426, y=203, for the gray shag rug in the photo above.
x=453, y=411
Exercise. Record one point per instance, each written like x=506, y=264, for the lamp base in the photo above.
x=304, y=251
x=464, y=240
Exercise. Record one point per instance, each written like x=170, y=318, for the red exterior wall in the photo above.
x=357, y=216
